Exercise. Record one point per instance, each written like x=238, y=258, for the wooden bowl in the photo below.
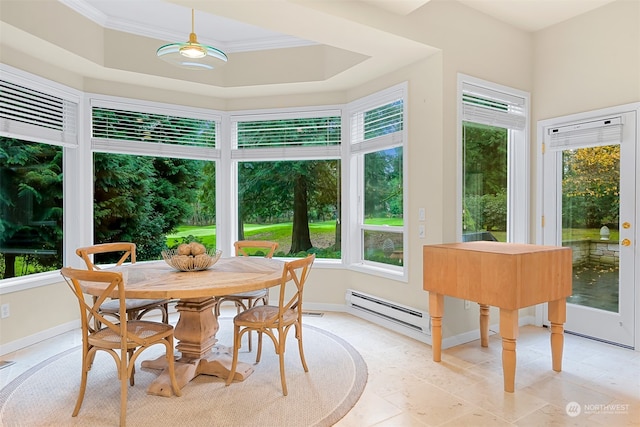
x=191, y=262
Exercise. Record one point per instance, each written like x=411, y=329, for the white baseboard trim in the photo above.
x=21, y=343
x=311, y=306
x=446, y=342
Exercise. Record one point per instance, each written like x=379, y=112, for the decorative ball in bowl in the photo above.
x=191, y=257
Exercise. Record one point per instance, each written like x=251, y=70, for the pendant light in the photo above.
x=191, y=54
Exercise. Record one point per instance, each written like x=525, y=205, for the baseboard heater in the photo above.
x=387, y=313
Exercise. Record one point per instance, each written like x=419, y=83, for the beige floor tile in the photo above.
x=477, y=418
x=449, y=377
x=561, y=393
x=623, y=384
x=370, y=410
x=385, y=379
x=491, y=397
x=471, y=354
x=574, y=371
x=404, y=420
x=429, y=404
x=553, y=416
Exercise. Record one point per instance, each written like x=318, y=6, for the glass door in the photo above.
x=589, y=205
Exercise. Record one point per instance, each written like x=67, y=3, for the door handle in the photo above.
x=626, y=242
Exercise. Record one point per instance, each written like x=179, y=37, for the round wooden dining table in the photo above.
x=196, y=292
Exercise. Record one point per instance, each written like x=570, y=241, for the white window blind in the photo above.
x=382, y=117
x=586, y=134
x=123, y=125
x=287, y=130
x=492, y=107
x=29, y=114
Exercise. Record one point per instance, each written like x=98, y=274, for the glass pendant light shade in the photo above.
x=191, y=54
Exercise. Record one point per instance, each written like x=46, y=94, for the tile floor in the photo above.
x=406, y=388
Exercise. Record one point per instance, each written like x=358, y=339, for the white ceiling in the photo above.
x=339, y=48
x=534, y=15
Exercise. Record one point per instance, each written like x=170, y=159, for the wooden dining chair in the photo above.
x=123, y=340
x=267, y=319
x=247, y=300
x=135, y=308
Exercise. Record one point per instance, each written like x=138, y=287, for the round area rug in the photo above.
x=46, y=394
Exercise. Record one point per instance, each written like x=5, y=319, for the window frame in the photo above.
x=71, y=173
x=237, y=155
x=355, y=151
x=518, y=160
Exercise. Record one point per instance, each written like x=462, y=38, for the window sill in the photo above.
x=17, y=284
x=397, y=275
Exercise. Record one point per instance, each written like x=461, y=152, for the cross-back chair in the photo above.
x=123, y=339
x=246, y=300
x=135, y=308
x=276, y=321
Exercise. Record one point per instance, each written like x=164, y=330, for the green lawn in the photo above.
x=587, y=234
x=280, y=233
x=398, y=222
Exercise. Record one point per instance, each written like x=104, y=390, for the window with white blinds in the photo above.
x=378, y=121
x=377, y=226
x=493, y=161
x=604, y=131
x=284, y=130
x=492, y=107
x=26, y=113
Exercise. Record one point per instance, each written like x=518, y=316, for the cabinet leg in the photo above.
x=436, y=308
x=557, y=317
x=509, y=333
x=484, y=325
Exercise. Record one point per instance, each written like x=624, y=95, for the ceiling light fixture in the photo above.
x=192, y=55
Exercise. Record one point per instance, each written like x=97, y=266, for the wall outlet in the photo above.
x=421, y=231
x=4, y=311
x=467, y=304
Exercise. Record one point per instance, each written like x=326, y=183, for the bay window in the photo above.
x=161, y=174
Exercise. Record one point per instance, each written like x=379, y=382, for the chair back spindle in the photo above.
x=135, y=309
x=242, y=247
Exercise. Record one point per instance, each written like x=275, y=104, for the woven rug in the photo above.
x=46, y=394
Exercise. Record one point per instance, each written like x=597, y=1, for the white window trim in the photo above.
x=237, y=155
x=78, y=169
x=353, y=168
x=518, y=180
